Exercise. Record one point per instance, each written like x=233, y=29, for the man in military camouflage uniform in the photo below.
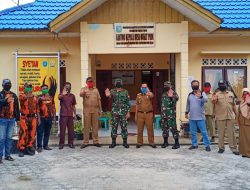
x=168, y=115
x=120, y=111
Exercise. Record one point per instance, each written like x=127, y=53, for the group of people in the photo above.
x=204, y=109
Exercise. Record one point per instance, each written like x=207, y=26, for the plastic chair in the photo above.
x=157, y=121
x=105, y=120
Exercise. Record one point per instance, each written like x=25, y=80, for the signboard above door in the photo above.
x=134, y=35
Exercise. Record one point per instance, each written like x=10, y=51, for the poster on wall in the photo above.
x=128, y=77
x=134, y=35
x=38, y=70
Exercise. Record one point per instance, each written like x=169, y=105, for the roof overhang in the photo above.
x=188, y=8
x=78, y=11
x=195, y=12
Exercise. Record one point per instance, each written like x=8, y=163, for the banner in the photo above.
x=131, y=35
x=38, y=70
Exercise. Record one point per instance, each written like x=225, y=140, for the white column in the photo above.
x=184, y=69
x=85, y=65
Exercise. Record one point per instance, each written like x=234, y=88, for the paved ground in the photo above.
x=133, y=169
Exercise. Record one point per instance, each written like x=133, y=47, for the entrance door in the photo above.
x=236, y=76
x=103, y=81
x=159, y=77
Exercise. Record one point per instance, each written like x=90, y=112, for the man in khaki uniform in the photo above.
x=224, y=111
x=91, y=111
x=144, y=115
x=209, y=112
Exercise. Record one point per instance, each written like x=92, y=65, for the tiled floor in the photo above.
x=132, y=130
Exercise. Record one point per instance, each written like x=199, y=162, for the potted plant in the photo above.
x=78, y=130
x=108, y=115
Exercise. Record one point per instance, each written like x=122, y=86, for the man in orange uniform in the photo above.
x=48, y=114
x=30, y=117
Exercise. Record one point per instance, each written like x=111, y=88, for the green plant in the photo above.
x=108, y=115
x=78, y=127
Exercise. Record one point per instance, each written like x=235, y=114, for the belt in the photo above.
x=145, y=111
x=28, y=115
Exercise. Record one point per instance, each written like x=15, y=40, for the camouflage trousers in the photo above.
x=115, y=121
x=169, y=123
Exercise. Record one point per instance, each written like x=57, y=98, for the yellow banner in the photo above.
x=38, y=71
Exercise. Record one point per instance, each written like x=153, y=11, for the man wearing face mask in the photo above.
x=67, y=115
x=92, y=108
x=195, y=112
x=144, y=115
x=30, y=117
x=47, y=115
x=9, y=114
x=225, y=111
x=168, y=115
x=209, y=111
x=120, y=111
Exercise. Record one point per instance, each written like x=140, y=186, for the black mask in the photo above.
x=118, y=85
x=195, y=87
x=222, y=88
x=7, y=87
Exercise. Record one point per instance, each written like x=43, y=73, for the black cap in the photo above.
x=6, y=81
x=207, y=84
x=222, y=82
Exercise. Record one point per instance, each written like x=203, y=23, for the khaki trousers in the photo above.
x=210, y=124
x=222, y=126
x=90, y=121
x=145, y=118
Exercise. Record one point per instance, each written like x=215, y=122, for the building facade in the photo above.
x=140, y=40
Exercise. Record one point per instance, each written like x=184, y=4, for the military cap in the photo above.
x=6, y=81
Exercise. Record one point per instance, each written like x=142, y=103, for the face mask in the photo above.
x=28, y=89
x=245, y=95
x=222, y=88
x=144, y=90
x=45, y=91
x=207, y=89
x=68, y=89
x=7, y=87
x=167, y=88
x=118, y=85
x=195, y=87
x=90, y=84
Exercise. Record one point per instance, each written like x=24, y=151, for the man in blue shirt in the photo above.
x=195, y=112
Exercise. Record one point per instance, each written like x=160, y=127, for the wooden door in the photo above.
x=103, y=81
x=159, y=77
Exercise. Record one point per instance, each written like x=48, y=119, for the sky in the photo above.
x=4, y=4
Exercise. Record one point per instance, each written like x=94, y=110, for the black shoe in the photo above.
x=138, y=146
x=192, y=147
x=236, y=153
x=39, y=150
x=61, y=146
x=32, y=149
x=47, y=148
x=125, y=143
x=21, y=153
x=176, y=144
x=212, y=139
x=208, y=149
x=98, y=145
x=29, y=151
x=1, y=161
x=165, y=143
x=153, y=146
x=83, y=146
x=220, y=151
x=113, y=143
x=9, y=158
x=71, y=146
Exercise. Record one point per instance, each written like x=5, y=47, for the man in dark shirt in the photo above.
x=67, y=115
x=9, y=114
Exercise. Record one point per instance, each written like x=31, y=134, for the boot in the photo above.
x=29, y=151
x=165, y=144
x=21, y=153
x=125, y=144
x=113, y=143
x=176, y=144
